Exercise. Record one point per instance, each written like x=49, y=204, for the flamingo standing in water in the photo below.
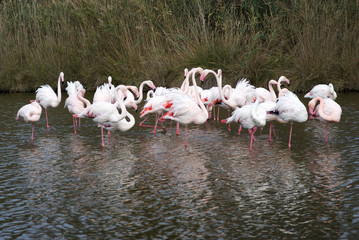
x=103, y=112
x=185, y=110
x=250, y=116
x=290, y=109
x=30, y=113
x=238, y=95
x=161, y=101
x=72, y=102
x=323, y=91
x=46, y=96
x=327, y=111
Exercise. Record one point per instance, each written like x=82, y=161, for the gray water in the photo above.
x=146, y=186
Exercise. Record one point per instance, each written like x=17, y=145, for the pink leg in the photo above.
x=47, y=121
x=102, y=143
x=326, y=132
x=74, y=121
x=273, y=131
x=177, y=129
x=240, y=129
x=250, y=146
x=185, y=136
x=154, y=129
x=33, y=129
x=270, y=132
x=290, y=134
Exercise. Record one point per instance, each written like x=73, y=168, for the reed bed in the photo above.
x=310, y=42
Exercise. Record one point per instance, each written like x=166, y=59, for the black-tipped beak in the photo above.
x=154, y=90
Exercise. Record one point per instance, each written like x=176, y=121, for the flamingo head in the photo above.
x=62, y=77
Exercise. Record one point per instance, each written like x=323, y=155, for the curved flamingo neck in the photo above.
x=328, y=117
x=198, y=99
x=271, y=90
x=82, y=99
x=148, y=83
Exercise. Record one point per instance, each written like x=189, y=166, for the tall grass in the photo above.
x=131, y=40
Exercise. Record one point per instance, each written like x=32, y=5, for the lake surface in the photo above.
x=146, y=186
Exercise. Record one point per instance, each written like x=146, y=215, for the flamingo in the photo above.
x=103, y=112
x=290, y=109
x=30, y=113
x=73, y=103
x=185, y=110
x=238, y=95
x=103, y=93
x=161, y=99
x=46, y=96
x=250, y=116
x=322, y=90
x=270, y=103
x=327, y=111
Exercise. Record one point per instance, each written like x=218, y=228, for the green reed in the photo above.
x=133, y=40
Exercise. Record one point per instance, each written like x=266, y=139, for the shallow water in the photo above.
x=142, y=185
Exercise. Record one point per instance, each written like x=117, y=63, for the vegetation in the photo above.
x=310, y=42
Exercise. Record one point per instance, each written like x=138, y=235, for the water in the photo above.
x=142, y=186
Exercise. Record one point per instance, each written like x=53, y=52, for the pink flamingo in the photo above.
x=30, y=113
x=238, y=96
x=46, y=96
x=103, y=112
x=290, y=109
x=250, y=116
x=323, y=91
x=185, y=110
x=72, y=102
x=327, y=111
x=161, y=101
x=270, y=103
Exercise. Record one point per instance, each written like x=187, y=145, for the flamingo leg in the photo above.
x=151, y=126
x=270, y=132
x=154, y=129
x=240, y=129
x=251, y=144
x=185, y=136
x=273, y=131
x=33, y=130
x=177, y=129
x=326, y=132
x=290, y=134
x=79, y=121
x=73, y=120
x=47, y=121
x=102, y=142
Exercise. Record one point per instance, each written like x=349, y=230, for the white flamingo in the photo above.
x=327, y=111
x=290, y=109
x=72, y=102
x=250, y=116
x=103, y=112
x=185, y=110
x=323, y=91
x=30, y=113
x=46, y=96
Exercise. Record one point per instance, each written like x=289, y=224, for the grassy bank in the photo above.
x=134, y=40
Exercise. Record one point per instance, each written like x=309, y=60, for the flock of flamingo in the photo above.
x=189, y=104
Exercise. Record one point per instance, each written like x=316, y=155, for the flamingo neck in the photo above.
x=271, y=90
x=198, y=98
